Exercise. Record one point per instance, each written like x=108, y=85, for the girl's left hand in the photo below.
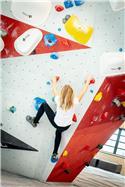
x=88, y=78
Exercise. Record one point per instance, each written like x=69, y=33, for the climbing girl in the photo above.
x=66, y=103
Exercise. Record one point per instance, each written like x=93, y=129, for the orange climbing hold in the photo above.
x=98, y=97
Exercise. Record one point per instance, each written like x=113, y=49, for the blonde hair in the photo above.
x=66, y=97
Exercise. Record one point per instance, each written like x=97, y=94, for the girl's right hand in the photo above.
x=54, y=80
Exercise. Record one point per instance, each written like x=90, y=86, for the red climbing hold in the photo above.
x=85, y=148
x=65, y=43
x=104, y=115
x=74, y=118
x=120, y=92
x=59, y=8
x=92, y=81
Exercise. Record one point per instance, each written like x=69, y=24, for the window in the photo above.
x=116, y=143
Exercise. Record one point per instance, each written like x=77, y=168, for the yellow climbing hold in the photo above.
x=98, y=97
x=123, y=103
x=65, y=153
x=80, y=33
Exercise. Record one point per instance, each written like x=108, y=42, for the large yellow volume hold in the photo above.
x=80, y=33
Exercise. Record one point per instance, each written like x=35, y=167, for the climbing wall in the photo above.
x=63, y=44
x=98, y=124
x=26, y=77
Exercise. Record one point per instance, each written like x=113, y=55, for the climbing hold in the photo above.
x=99, y=146
x=54, y=56
x=48, y=82
x=65, y=166
x=79, y=2
x=59, y=29
x=95, y=117
x=50, y=40
x=74, y=118
x=87, y=164
x=57, y=78
x=120, y=49
x=37, y=102
x=53, y=99
x=65, y=153
x=104, y=116
x=66, y=18
x=1, y=124
x=12, y=109
x=123, y=103
x=59, y=8
x=68, y=3
x=91, y=91
x=122, y=117
x=86, y=148
x=94, y=152
x=80, y=33
x=92, y=81
x=116, y=102
x=65, y=43
x=98, y=97
x=120, y=92
x=67, y=171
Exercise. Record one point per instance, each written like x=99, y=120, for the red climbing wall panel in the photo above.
x=16, y=28
x=97, y=125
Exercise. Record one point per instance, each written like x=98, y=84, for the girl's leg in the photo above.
x=39, y=114
x=58, y=138
x=49, y=112
x=57, y=141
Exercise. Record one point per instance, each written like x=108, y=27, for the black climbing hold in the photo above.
x=67, y=171
x=87, y=164
x=67, y=17
x=64, y=20
x=99, y=146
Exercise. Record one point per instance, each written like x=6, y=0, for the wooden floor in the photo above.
x=89, y=177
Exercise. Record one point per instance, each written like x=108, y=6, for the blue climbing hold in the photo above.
x=91, y=91
x=53, y=99
x=48, y=82
x=120, y=49
x=50, y=40
x=59, y=29
x=38, y=101
x=54, y=56
x=79, y=2
x=12, y=109
x=68, y=3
